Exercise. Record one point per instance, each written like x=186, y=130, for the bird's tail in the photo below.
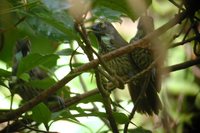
x=148, y=102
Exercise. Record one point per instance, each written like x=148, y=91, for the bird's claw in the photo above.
x=119, y=82
x=116, y=82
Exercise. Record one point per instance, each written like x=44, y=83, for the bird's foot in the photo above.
x=116, y=82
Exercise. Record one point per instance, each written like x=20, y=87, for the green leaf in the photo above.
x=124, y=6
x=92, y=98
x=97, y=114
x=4, y=73
x=41, y=113
x=139, y=130
x=28, y=63
x=33, y=60
x=3, y=84
x=67, y=52
x=42, y=84
x=7, y=50
x=42, y=45
x=79, y=109
x=63, y=114
x=109, y=14
x=53, y=23
x=93, y=39
x=49, y=60
x=121, y=118
x=56, y=5
x=24, y=76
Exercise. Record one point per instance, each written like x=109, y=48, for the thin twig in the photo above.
x=37, y=130
x=15, y=25
x=187, y=32
x=106, y=102
x=181, y=31
x=72, y=55
x=183, y=42
x=183, y=65
x=15, y=8
x=177, y=5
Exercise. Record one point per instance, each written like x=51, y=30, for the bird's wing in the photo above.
x=141, y=58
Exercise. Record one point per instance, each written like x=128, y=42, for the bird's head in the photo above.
x=103, y=29
x=22, y=48
x=108, y=36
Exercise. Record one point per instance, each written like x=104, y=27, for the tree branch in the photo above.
x=183, y=42
x=183, y=65
x=106, y=101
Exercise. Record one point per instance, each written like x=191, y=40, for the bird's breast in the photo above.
x=121, y=66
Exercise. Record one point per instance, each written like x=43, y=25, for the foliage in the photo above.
x=59, y=32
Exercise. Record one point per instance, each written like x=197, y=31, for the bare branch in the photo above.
x=183, y=42
x=183, y=65
x=107, y=102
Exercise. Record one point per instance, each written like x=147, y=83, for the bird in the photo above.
x=142, y=57
x=128, y=65
x=18, y=86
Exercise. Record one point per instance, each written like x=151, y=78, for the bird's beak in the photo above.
x=95, y=27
